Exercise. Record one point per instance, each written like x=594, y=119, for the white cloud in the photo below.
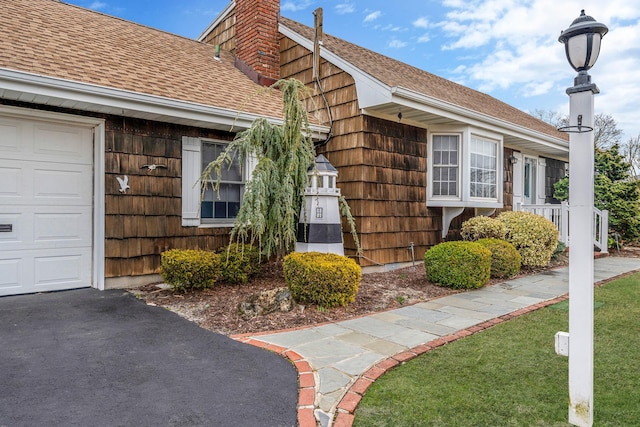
x=389, y=27
x=518, y=41
x=97, y=5
x=344, y=8
x=293, y=6
x=397, y=44
x=373, y=16
x=615, y=73
x=421, y=22
x=424, y=38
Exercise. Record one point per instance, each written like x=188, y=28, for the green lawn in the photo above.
x=509, y=375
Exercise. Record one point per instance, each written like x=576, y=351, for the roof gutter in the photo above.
x=459, y=112
x=35, y=88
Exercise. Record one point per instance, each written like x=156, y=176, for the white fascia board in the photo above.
x=226, y=11
x=122, y=102
x=370, y=90
x=429, y=104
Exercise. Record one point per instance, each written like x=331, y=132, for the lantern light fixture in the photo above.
x=582, y=45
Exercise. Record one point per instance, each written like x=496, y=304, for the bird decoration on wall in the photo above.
x=152, y=167
x=124, y=183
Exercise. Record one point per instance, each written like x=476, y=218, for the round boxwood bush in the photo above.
x=534, y=236
x=328, y=280
x=505, y=258
x=458, y=265
x=239, y=263
x=482, y=227
x=187, y=269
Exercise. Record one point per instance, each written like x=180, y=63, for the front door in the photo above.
x=530, y=180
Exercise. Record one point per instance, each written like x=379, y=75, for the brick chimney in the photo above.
x=257, y=40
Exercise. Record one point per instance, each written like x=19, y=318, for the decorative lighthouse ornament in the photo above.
x=319, y=229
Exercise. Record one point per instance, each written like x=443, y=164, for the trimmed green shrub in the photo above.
x=187, y=269
x=328, y=280
x=458, y=265
x=505, y=258
x=239, y=263
x=482, y=227
x=534, y=236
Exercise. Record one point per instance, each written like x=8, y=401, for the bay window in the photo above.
x=464, y=169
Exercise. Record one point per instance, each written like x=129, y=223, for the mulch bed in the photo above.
x=216, y=309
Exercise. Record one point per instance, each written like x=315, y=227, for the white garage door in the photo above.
x=46, y=192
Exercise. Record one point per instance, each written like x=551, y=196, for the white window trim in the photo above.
x=464, y=170
x=191, y=170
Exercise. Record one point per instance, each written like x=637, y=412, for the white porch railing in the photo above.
x=559, y=215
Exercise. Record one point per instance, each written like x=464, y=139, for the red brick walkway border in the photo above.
x=306, y=378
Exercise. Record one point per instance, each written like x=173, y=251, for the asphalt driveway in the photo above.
x=91, y=358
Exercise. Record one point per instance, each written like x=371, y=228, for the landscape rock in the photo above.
x=266, y=302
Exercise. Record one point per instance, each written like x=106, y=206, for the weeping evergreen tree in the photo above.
x=273, y=197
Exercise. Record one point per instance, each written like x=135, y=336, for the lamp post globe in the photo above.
x=582, y=44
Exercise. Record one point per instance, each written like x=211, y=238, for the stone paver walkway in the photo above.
x=338, y=361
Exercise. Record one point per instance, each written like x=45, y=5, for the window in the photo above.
x=483, y=165
x=219, y=208
x=225, y=202
x=464, y=168
x=445, y=165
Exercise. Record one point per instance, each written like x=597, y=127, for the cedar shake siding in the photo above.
x=146, y=220
x=381, y=166
x=554, y=172
x=507, y=189
x=224, y=34
x=381, y=160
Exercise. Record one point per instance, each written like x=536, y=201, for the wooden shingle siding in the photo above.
x=381, y=167
x=554, y=172
x=146, y=220
x=224, y=34
x=507, y=189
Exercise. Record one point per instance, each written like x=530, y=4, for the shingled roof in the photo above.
x=396, y=74
x=61, y=41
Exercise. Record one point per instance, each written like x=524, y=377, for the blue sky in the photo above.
x=507, y=48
